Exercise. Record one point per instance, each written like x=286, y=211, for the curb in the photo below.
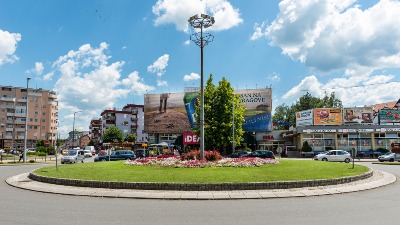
x=378, y=179
x=199, y=187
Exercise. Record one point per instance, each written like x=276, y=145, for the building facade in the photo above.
x=41, y=118
x=130, y=119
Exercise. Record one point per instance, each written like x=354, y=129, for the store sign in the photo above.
x=383, y=130
x=268, y=137
x=304, y=118
x=319, y=131
x=328, y=116
x=355, y=115
x=190, y=139
x=389, y=116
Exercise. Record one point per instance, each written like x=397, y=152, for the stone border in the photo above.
x=199, y=187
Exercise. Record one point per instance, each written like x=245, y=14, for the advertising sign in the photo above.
x=304, y=118
x=328, y=116
x=389, y=116
x=190, y=139
x=258, y=104
x=363, y=115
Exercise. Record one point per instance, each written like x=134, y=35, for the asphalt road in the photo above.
x=378, y=206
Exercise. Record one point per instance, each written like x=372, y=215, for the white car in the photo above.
x=87, y=153
x=73, y=156
x=334, y=156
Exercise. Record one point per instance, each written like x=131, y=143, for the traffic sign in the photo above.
x=46, y=143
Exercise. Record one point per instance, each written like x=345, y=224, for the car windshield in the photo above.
x=71, y=153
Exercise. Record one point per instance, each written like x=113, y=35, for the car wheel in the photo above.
x=324, y=159
x=62, y=162
x=347, y=160
x=103, y=160
x=391, y=160
x=128, y=158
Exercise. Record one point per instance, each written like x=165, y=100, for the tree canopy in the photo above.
x=113, y=133
x=130, y=138
x=222, y=111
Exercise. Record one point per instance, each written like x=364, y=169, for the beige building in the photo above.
x=42, y=116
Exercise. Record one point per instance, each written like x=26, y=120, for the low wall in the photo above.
x=199, y=187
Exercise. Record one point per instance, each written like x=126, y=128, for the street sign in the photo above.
x=46, y=143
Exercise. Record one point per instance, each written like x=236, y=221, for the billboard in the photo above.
x=304, y=118
x=389, y=116
x=175, y=112
x=258, y=104
x=190, y=139
x=328, y=116
x=362, y=115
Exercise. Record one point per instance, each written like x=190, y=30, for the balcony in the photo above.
x=19, y=122
x=19, y=115
x=9, y=129
x=134, y=118
x=35, y=94
x=21, y=100
x=135, y=112
x=20, y=129
x=7, y=99
x=110, y=121
x=10, y=114
x=52, y=96
x=134, y=127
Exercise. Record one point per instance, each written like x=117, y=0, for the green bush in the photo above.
x=31, y=161
x=383, y=150
x=42, y=154
x=306, y=147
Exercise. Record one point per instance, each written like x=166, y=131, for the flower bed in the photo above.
x=177, y=163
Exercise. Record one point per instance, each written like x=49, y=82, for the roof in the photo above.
x=389, y=105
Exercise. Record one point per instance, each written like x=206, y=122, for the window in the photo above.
x=43, y=120
x=35, y=127
x=44, y=114
x=43, y=127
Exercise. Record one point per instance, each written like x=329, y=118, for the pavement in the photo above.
x=378, y=179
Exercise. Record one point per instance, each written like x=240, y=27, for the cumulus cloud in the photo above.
x=38, y=69
x=88, y=81
x=186, y=42
x=162, y=83
x=8, y=46
x=274, y=77
x=178, y=12
x=191, y=76
x=330, y=35
x=158, y=67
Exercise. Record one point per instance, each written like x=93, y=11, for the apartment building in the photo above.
x=130, y=120
x=95, y=131
x=41, y=119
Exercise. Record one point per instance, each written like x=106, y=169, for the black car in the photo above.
x=239, y=154
x=265, y=154
x=116, y=155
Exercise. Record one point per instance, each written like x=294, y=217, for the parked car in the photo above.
x=140, y=153
x=73, y=156
x=91, y=149
x=31, y=150
x=116, y=155
x=87, y=153
x=239, y=154
x=389, y=157
x=334, y=156
x=265, y=154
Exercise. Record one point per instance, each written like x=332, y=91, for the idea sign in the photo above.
x=190, y=139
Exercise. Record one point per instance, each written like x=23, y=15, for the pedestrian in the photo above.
x=21, y=156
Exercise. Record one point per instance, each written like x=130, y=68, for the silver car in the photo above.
x=389, y=157
x=334, y=156
x=73, y=156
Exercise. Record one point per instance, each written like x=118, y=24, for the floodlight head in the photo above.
x=28, y=78
x=204, y=16
x=212, y=20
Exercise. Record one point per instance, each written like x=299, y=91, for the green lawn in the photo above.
x=287, y=170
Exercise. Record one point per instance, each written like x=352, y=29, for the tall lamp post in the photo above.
x=73, y=129
x=26, y=117
x=204, y=21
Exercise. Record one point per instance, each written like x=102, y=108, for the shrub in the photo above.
x=31, y=161
x=42, y=154
x=212, y=155
x=383, y=150
x=306, y=147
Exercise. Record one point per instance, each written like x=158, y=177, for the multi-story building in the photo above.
x=130, y=120
x=95, y=131
x=41, y=119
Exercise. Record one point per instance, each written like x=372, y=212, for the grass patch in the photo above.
x=287, y=170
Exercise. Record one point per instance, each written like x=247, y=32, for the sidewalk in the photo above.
x=379, y=179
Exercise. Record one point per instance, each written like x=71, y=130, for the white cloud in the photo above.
x=48, y=76
x=158, y=67
x=178, y=12
x=8, y=46
x=192, y=76
x=87, y=81
x=274, y=77
x=186, y=42
x=38, y=69
x=162, y=83
x=330, y=35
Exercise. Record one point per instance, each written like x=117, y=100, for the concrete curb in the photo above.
x=199, y=187
x=378, y=179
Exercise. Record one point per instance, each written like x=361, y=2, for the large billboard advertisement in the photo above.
x=258, y=104
x=175, y=112
x=328, y=116
x=362, y=115
x=389, y=116
x=304, y=118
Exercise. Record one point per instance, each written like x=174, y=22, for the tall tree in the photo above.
x=113, y=133
x=130, y=138
x=222, y=112
x=281, y=117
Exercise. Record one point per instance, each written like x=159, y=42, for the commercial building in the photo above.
x=41, y=119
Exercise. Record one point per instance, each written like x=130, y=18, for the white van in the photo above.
x=73, y=156
x=92, y=149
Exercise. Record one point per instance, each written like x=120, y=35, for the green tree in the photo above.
x=220, y=104
x=91, y=143
x=281, y=117
x=130, y=138
x=113, y=133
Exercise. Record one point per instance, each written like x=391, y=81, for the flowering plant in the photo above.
x=195, y=163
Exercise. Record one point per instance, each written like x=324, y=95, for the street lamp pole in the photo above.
x=26, y=117
x=201, y=40
x=73, y=129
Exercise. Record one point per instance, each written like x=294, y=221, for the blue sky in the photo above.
x=103, y=54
